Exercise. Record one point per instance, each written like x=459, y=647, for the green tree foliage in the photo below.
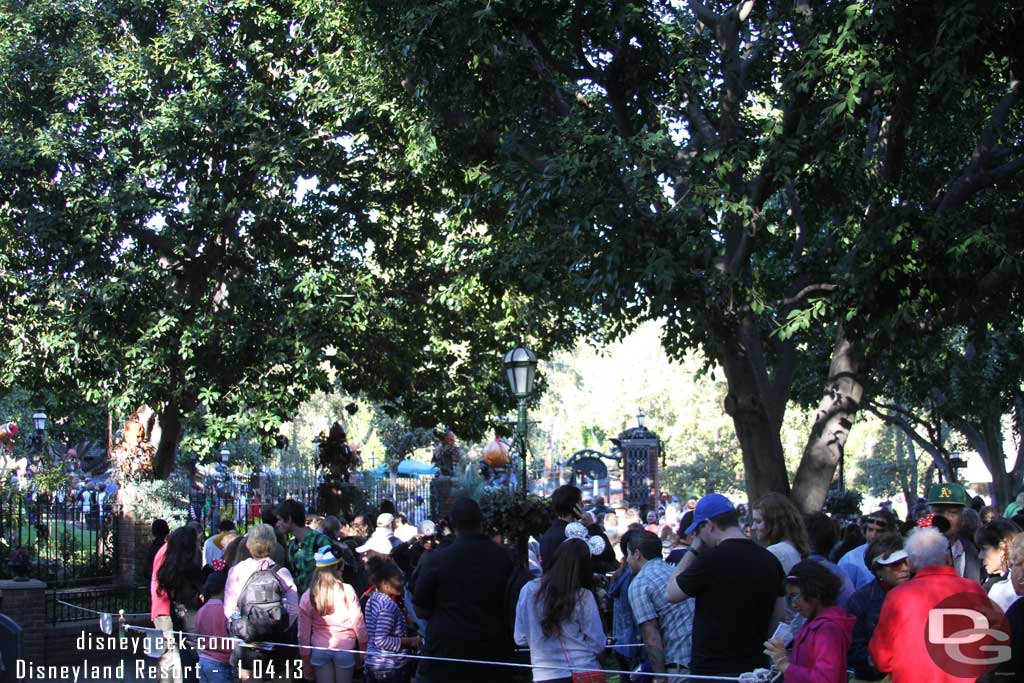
x=969, y=382
x=892, y=467
x=195, y=220
x=781, y=183
x=706, y=473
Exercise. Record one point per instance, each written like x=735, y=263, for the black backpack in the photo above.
x=261, y=605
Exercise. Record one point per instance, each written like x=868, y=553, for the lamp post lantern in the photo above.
x=640, y=417
x=39, y=421
x=520, y=368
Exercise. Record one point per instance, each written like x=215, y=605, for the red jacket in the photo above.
x=160, y=604
x=898, y=645
x=819, y=651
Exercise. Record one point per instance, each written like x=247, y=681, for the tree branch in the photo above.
x=939, y=454
x=704, y=13
x=807, y=291
x=797, y=212
x=977, y=173
x=540, y=48
x=695, y=114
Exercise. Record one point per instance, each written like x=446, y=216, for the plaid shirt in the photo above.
x=647, y=598
x=302, y=557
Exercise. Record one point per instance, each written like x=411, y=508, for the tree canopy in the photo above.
x=195, y=221
x=210, y=206
x=782, y=183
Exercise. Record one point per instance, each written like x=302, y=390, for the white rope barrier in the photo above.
x=759, y=676
x=92, y=611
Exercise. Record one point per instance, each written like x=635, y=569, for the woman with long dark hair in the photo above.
x=557, y=616
x=180, y=579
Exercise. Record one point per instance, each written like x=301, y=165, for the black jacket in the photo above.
x=460, y=589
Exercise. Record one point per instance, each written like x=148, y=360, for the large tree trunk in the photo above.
x=987, y=439
x=167, y=431
x=757, y=418
x=832, y=422
x=910, y=495
x=906, y=465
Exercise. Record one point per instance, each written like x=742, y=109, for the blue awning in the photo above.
x=408, y=468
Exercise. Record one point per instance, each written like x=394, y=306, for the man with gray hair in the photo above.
x=900, y=643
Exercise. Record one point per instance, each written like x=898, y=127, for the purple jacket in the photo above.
x=819, y=651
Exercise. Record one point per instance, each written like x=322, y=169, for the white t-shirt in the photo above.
x=581, y=641
x=1002, y=593
x=786, y=553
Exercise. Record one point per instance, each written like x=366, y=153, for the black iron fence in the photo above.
x=74, y=547
x=108, y=599
x=60, y=543
x=411, y=495
x=245, y=507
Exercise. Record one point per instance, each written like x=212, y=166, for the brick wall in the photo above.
x=25, y=603
x=133, y=539
x=441, y=496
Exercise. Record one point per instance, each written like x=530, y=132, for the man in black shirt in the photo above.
x=566, y=502
x=460, y=591
x=737, y=586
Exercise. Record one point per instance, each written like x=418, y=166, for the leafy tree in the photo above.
x=968, y=384
x=779, y=182
x=706, y=473
x=893, y=467
x=195, y=220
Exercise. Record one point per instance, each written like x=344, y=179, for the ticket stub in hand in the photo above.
x=784, y=633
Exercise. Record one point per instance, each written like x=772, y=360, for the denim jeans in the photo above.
x=212, y=671
x=386, y=676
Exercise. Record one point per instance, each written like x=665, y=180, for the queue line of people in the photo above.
x=729, y=600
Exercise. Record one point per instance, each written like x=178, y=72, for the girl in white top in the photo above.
x=777, y=525
x=993, y=541
x=557, y=617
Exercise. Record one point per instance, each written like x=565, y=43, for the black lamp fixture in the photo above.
x=39, y=419
x=521, y=367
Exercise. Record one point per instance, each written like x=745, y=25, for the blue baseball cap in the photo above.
x=709, y=506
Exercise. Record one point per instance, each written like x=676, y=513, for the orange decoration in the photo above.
x=497, y=453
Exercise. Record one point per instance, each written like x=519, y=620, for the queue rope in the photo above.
x=763, y=675
x=759, y=676
x=134, y=614
x=92, y=611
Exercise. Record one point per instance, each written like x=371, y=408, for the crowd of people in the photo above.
x=703, y=588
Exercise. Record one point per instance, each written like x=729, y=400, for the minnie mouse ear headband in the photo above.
x=936, y=521
x=577, y=530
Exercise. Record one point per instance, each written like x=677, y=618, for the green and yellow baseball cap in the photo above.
x=947, y=494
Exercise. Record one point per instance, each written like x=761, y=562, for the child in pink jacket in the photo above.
x=819, y=650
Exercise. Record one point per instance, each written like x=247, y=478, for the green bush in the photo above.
x=846, y=502
x=149, y=500
x=515, y=515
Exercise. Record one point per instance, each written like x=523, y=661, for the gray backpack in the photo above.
x=261, y=605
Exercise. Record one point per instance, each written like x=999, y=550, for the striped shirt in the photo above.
x=385, y=627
